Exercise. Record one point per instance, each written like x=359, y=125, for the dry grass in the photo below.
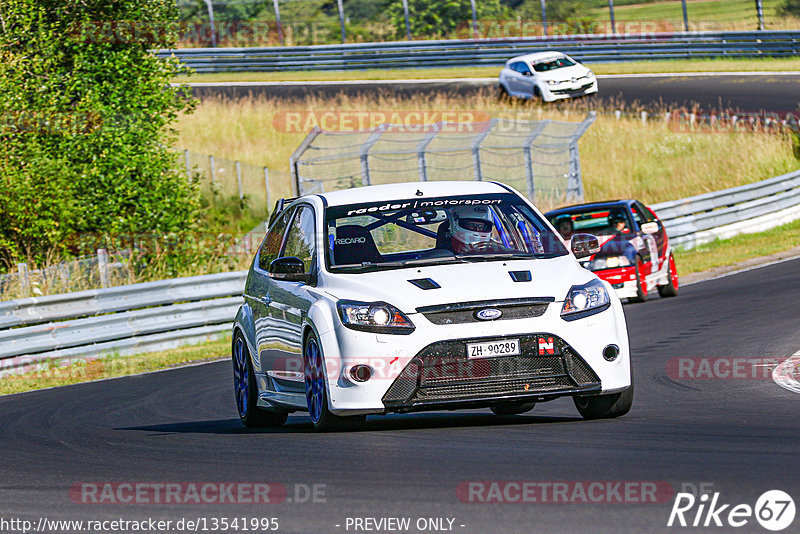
x=619, y=157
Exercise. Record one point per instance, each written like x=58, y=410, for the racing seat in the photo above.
x=354, y=245
x=443, y=239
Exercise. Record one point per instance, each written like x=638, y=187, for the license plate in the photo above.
x=493, y=349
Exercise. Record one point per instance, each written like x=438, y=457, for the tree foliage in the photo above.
x=441, y=18
x=85, y=134
x=789, y=8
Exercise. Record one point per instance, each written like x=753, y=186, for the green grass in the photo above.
x=113, y=366
x=710, y=15
x=632, y=67
x=721, y=253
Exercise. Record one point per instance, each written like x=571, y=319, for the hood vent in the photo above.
x=520, y=276
x=425, y=283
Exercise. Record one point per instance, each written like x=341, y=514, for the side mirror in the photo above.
x=288, y=269
x=650, y=228
x=584, y=245
x=527, y=73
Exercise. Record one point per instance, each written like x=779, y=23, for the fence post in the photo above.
x=278, y=21
x=529, y=156
x=422, y=162
x=266, y=186
x=476, y=149
x=611, y=11
x=63, y=272
x=211, y=168
x=408, y=21
x=474, y=19
x=685, y=16
x=544, y=17
x=186, y=162
x=102, y=266
x=575, y=180
x=294, y=159
x=210, y=7
x=760, y=13
x=239, y=180
x=24, y=281
x=341, y=21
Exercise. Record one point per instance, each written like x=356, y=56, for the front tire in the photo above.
x=670, y=289
x=641, y=283
x=316, y=392
x=605, y=406
x=244, y=384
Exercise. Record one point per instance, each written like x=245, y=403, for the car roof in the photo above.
x=607, y=204
x=537, y=56
x=388, y=192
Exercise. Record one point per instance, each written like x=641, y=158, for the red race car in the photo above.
x=635, y=255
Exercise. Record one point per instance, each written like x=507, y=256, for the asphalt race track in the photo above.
x=740, y=435
x=752, y=93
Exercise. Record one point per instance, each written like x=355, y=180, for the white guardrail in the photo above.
x=161, y=315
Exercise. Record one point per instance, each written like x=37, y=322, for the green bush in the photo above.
x=85, y=133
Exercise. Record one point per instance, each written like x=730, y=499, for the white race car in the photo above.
x=547, y=76
x=424, y=296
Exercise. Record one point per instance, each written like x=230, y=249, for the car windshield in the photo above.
x=458, y=229
x=553, y=64
x=596, y=221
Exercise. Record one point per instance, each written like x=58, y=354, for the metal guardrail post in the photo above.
x=341, y=21
x=544, y=17
x=685, y=16
x=186, y=162
x=24, y=281
x=611, y=13
x=760, y=13
x=408, y=20
x=211, y=168
x=474, y=19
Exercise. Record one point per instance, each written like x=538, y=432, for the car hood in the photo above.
x=565, y=74
x=619, y=244
x=462, y=282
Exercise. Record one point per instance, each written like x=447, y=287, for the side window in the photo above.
x=300, y=239
x=272, y=242
x=523, y=68
x=646, y=215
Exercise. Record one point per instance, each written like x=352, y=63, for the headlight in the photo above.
x=585, y=300
x=589, y=74
x=378, y=317
x=609, y=262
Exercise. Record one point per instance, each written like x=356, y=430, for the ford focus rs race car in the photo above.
x=635, y=255
x=423, y=296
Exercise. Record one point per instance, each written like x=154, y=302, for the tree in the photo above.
x=85, y=137
x=440, y=18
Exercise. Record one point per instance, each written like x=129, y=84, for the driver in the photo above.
x=470, y=228
x=619, y=224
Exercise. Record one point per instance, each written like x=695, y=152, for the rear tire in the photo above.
x=244, y=384
x=670, y=289
x=641, y=283
x=317, y=395
x=512, y=408
x=605, y=406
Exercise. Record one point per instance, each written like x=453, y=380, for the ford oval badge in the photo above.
x=488, y=314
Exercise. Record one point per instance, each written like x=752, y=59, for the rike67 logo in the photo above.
x=774, y=510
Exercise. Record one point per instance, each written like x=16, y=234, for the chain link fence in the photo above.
x=537, y=157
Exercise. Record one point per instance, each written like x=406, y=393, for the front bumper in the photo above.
x=570, y=90
x=441, y=376
x=481, y=382
x=622, y=279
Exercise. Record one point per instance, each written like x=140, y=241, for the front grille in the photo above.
x=441, y=372
x=580, y=89
x=465, y=312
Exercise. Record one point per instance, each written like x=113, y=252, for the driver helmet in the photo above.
x=469, y=227
x=616, y=218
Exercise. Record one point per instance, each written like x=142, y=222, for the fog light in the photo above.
x=610, y=353
x=360, y=373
